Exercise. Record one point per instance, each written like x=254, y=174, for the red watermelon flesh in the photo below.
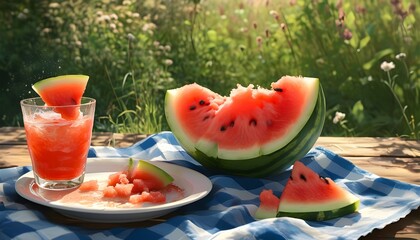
x=249, y=123
x=153, y=177
x=63, y=91
x=269, y=204
x=310, y=196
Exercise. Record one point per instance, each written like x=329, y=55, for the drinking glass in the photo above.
x=58, y=139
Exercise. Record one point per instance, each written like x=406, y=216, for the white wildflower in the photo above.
x=168, y=62
x=131, y=37
x=135, y=15
x=25, y=10
x=400, y=56
x=387, y=66
x=339, y=116
x=112, y=26
x=21, y=16
x=114, y=16
x=54, y=5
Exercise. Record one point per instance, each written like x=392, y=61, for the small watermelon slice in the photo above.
x=153, y=177
x=252, y=132
x=63, y=90
x=311, y=197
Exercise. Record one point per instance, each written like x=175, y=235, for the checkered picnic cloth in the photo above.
x=227, y=212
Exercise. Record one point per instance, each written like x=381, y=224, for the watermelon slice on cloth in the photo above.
x=252, y=132
x=63, y=90
x=308, y=196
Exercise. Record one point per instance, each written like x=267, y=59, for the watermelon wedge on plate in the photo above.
x=252, y=132
x=63, y=90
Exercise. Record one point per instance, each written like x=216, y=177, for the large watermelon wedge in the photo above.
x=63, y=90
x=254, y=131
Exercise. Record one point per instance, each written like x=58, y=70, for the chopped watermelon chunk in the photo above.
x=269, y=204
x=87, y=186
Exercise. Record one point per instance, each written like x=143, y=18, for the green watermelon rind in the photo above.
x=279, y=160
x=322, y=215
x=48, y=82
x=156, y=171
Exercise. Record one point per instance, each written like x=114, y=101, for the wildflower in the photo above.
x=339, y=116
x=54, y=5
x=78, y=43
x=259, y=41
x=274, y=14
x=347, y=34
x=387, y=66
x=400, y=56
x=21, y=16
x=114, y=16
x=168, y=62
x=131, y=37
x=255, y=25
x=135, y=15
x=156, y=43
x=167, y=48
x=25, y=10
x=283, y=26
x=112, y=26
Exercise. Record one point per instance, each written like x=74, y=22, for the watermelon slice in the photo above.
x=254, y=131
x=153, y=177
x=63, y=90
x=311, y=197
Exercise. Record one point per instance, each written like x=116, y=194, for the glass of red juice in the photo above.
x=58, y=139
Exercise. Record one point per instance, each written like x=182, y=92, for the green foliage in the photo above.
x=135, y=50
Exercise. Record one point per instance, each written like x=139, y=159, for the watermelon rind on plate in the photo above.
x=243, y=134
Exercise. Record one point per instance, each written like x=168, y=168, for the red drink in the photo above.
x=58, y=147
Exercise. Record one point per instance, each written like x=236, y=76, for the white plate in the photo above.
x=194, y=184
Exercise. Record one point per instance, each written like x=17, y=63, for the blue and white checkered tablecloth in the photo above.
x=227, y=212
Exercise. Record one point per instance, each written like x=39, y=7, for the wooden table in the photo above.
x=393, y=158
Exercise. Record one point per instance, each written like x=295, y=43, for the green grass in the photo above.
x=135, y=50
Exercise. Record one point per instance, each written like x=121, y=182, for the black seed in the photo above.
x=253, y=122
x=202, y=102
x=325, y=180
x=231, y=124
x=193, y=107
x=302, y=177
x=206, y=117
x=223, y=128
x=278, y=89
x=291, y=178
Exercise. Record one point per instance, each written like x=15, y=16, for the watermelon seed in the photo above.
x=302, y=177
x=193, y=107
x=325, y=180
x=231, y=124
x=253, y=122
x=223, y=128
x=202, y=102
x=291, y=178
x=206, y=117
x=278, y=89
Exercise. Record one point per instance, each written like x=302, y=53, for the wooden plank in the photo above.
x=371, y=146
